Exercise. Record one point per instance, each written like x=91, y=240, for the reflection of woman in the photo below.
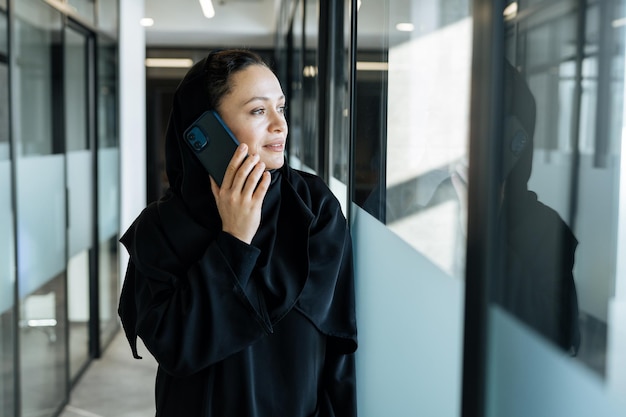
x=243, y=293
x=539, y=286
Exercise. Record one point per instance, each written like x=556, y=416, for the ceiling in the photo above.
x=180, y=23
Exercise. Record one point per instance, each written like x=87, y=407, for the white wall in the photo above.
x=132, y=116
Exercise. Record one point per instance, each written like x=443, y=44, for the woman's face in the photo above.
x=254, y=110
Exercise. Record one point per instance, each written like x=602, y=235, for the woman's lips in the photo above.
x=276, y=146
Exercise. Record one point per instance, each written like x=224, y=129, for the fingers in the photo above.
x=233, y=166
x=251, y=180
x=245, y=178
x=262, y=186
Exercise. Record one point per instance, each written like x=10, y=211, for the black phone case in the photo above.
x=212, y=142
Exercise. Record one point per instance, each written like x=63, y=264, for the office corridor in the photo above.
x=115, y=385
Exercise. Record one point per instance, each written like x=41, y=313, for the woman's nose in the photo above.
x=278, y=121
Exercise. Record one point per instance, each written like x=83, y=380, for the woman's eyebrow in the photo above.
x=263, y=98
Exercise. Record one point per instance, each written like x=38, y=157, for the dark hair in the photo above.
x=221, y=65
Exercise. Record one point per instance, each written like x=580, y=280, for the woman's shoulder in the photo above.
x=311, y=181
x=314, y=193
x=312, y=184
x=167, y=222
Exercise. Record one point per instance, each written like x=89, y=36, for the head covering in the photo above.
x=537, y=285
x=519, y=127
x=186, y=176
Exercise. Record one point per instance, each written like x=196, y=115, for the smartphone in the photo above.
x=212, y=142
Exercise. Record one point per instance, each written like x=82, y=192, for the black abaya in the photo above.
x=266, y=329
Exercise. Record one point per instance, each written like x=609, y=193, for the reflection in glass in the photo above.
x=4, y=38
x=537, y=284
x=412, y=108
x=41, y=228
x=295, y=113
x=338, y=98
x=573, y=62
x=310, y=79
x=7, y=255
x=79, y=168
x=108, y=188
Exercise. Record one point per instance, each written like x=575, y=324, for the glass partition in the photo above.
x=295, y=111
x=7, y=240
x=41, y=207
x=313, y=50
x=108, y=188
x=4, y=32
x=563, y=105
x=86, y=9
x=556, y=309
x=108, y=17
x=80, y=171
x=409, y=161
x=310, y=145
x=412, y=112
x=336, y=23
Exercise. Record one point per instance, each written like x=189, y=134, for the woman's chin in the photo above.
x=274, y=163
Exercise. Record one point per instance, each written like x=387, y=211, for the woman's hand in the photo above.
x=240, y=198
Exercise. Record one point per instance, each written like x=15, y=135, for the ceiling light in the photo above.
x=207, y=8
x=169, y=62
x=146, y=22
x=510, y=11
x=405, y=27
x=371, y=66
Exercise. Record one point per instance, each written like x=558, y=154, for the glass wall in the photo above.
x=409, y=161
x=78, y=94
x=7, y=237
x=41, y=207
x=313, y=54
x=555, y=309
x=107, y=12
x=412, y=107
x=338, y=90
x=310, y=137
x=85, y=9
x=294, y=80
x=57, y=295
x=108, y=189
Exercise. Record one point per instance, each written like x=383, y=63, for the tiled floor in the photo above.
x=115, y=385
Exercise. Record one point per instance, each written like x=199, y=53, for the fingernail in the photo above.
x=243, y=147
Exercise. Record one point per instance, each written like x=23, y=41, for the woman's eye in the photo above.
x=258, y=111
x=282, y=109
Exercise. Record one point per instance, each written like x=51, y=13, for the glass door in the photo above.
x=108, y=194
x=41, y=207
x=78, y=82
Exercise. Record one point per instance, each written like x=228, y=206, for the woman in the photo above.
x=243, y=293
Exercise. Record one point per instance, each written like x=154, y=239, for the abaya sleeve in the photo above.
x=184, y=291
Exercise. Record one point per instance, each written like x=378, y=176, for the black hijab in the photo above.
x=306, y=253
